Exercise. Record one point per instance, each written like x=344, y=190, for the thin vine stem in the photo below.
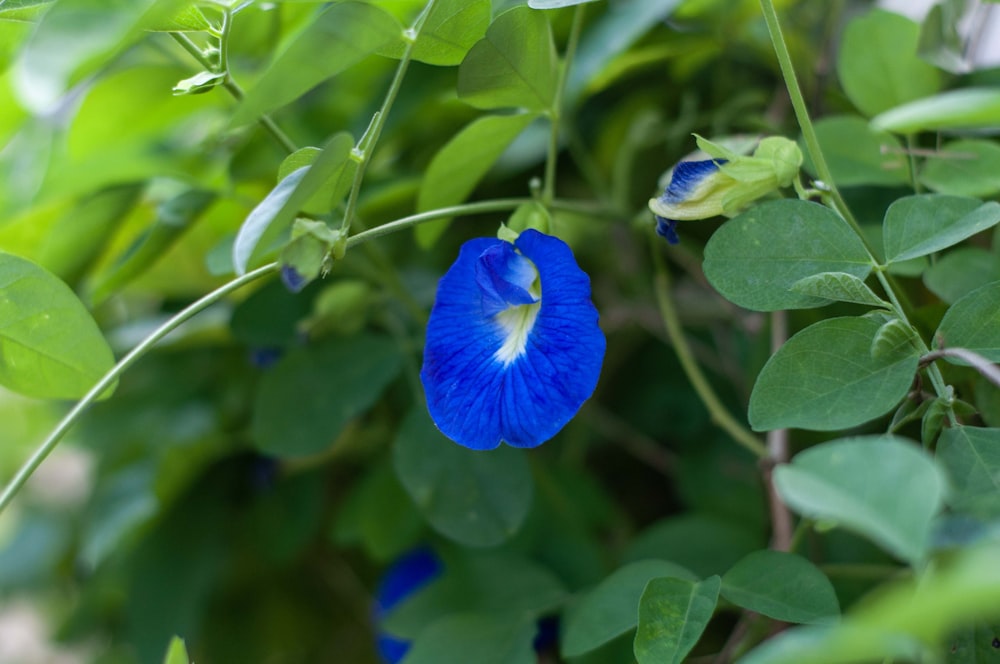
x=366, y=144
x=718, y=413
x=28, y=468
x=555, y=113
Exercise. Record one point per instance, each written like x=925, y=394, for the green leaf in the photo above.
x=824, y=378
x=459, y=166
x=514, y=65
x=502, y=638
x=974, y=645
x=673, y=613
x=962, y=271
x=878, y=64
x=448, y=32
x=479, y=583
x=176, y=652
x=556, y=4
x=782, y=586
x=883, y=487
x=275, y=213
x=971, y=457
x=893, y=336
x=304, y=402
x=473, y=497
x=611, y=608
x=387, y=522
x=339, y=38
x=858, y=154
x=74, y=38
x=754, y=259
x=973, y=323
x=839, y=286
x=188, y=19
x=969, y=108
x=50, y=347
x=845, y=644
x=968, y=167
x=923, y=224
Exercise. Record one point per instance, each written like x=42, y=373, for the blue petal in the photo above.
x=407, y=575
x=686, y=178
x=479, y=400
x=667, y=228
x=504, y=277
x=293, y=281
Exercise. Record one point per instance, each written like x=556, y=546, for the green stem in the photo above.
x=232, y=86
x=555, y=112
x=49, y=444
x=716, y=410
x=366, y=145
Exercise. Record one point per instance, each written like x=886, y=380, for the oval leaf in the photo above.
x=782, y=586
x=824, y=378
x=883, y=487
x=971, y=457
x=956, y=109
x=839, y=286
x=448, y=32
x=611, y=608
x=50, y=346
x=923, y=224
x=310, y=395
x=514, y=65
x=959, y=272
x=857, y=154
x=504, y=638
x=673, y=613
x=968, y=167
x=473, y=497
x=973, y=323
x=756, y=257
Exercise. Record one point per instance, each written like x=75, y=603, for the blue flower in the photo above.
x=513, y=346
x=690, y=183
x=407, y=575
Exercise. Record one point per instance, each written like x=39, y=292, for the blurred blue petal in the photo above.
x=509, y=358
x=667, y=228
x=406, y=576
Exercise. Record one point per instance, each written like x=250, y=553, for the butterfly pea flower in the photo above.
x=513, y=346
x=405, y=577
x=724, y=184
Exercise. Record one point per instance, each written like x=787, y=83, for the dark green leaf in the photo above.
x=892, y=338
x=611, y=608
x=973, y=323
x=968, y=167
x=339, y=38
x=976, y=644
x=462, y=163
x=878, y=64
x=448, y=32
x=923, y=224
x=496, y=638
x=514, y=65
x=860, y=155
x=673, y=613
x=782, y=586
x=824, y=378
x=703, y=544
x=839, y=286
x=883, y=487
x=755, y=258
x=379, y=515
x=956, y=109
x=971, y=457
x=962, y=271
x=50, y=347
x=474, y=497
x=304, y=402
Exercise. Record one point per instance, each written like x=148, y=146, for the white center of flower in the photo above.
x=516, y=323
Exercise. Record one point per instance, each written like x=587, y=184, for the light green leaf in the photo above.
x=968, y=167
x=556, y=4
x=858, y=154
x=883, y=487
x=844, y=644
x=50, y=347
x=304, y=402
x=496, y=638
x=756, y=257
x=176, y=652
x=274, y=214
x=962, y=271
x=76, y=37
x=968, y=108
x=514, y=65
x=448, y=32
x=473, y=497
x=673, y=613
x=339, y=38
x=973, y=323
x=782, y=586
x=923, y=224
x=187, y=19
x=23, y=10
x=611, y=608
x=971, y=457
x=893, y=337
x=459, y=166
x=839, y=286
x=824, y=378
x=878, y=64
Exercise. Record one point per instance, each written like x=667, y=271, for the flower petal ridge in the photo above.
x=513, y=346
